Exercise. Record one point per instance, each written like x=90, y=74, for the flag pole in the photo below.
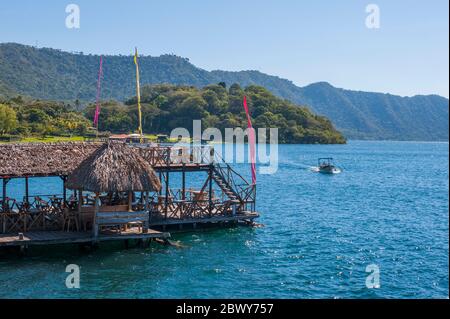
x=138, y=95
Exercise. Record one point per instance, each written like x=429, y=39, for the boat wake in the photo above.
x=335, y=170
x=295, y=165
x=315, y=169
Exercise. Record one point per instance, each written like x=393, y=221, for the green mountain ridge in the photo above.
x=166, y=107
x=54, y=74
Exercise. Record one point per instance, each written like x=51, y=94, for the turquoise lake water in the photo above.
x=389, y=207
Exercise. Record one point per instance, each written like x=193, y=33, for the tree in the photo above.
x=215, y=104
x=165, y=107
x=235, y=89
x=36, y=115
x=8, y=119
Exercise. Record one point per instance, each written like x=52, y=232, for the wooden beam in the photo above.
x=166, y=201
x=61, y=237
x=5, y=183
x=204, y=185
x=27, y=193
x=97, y=204
x=130, y=201
x=146, y=201
x=80, y=200
x=210, y=191
x=64, y=178
x=183, y=185
x=145, y=226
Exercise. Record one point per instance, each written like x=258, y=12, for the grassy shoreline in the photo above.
x=79, y=138
x=55, y=139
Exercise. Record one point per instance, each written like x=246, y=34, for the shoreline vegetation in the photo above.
x=164, y=107
x=53, y=74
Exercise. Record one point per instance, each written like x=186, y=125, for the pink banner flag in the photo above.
x=252, y=142
x=97, y=101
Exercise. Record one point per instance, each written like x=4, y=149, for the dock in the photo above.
x=137, y=191
x=41, y=238
x=243, y=217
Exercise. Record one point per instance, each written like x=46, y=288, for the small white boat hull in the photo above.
x=334, y=170
x=329, y=170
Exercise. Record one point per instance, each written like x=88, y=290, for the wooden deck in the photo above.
x=60, y=237
x=177, y=167
x=244, y=216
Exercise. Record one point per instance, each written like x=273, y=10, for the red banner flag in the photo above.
x=252, y=142
x=97, y=101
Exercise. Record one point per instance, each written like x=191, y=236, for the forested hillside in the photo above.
x=57, y=75
x=165, y=107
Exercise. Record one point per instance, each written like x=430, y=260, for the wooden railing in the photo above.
x=64, y=215
x=245, y=191
x=164, y=156
x=37, y=214
x=204, y=154
x=190, y=209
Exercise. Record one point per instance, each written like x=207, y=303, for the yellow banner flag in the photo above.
x=135, y=56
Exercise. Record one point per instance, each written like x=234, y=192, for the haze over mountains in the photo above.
x=53, y=74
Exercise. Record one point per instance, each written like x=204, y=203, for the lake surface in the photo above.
x=389, y=207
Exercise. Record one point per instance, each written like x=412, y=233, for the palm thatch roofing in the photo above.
x=43, y=159
x=114, y=167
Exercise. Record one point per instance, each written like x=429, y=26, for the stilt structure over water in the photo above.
x=115, y=191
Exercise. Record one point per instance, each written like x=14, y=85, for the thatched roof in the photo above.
x=114, y=167
x=43, y=159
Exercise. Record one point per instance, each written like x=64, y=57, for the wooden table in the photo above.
x=198, y=195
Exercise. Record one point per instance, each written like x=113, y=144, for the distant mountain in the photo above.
x=367, y=115
x=54, y=74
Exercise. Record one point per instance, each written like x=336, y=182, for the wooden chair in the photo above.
x=70, y=218
x=86, y=216
x=51, y=217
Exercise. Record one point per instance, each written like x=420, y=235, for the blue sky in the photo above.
x=303, y=41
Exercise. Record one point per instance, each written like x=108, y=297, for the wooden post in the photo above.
x=210, y=190
x=145, y=226
x=95, y=226
x=183, y=182
x=5, y=182
x=130, y=201
x=146, y=201
x=160, y=178
x=80, y=204
x=147, y=206
x=64, y=178
x=26, y=190
x=80, y=200
x=166, y=202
